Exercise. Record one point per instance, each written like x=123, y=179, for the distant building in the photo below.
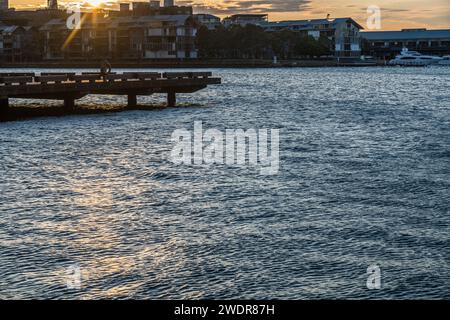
x=52, y=4
x=150, y=8
x=168, y=3
x=18, y=44
x=30, y=18
x=124, y=7
x=11, y=38
x=122, y=37
x=155, y=4
x=4, y=5
x=343, y=33
x=386, y=44
x=244, y=19
x=140, y=6
x=208, y=20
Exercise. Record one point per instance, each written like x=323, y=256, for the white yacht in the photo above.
x=413, y=58
x=445, y=61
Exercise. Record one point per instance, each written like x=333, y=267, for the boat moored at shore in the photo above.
x=445, y=61
x=413, y=58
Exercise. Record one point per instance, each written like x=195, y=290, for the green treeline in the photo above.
x=252, y=42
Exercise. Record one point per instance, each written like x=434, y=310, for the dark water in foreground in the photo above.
x=364, y=179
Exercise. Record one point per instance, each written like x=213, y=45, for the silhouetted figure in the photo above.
x=105, y=68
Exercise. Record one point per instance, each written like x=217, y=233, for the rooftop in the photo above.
x=249, y=15
x=406, y=34
x=113, y=22
x=246, y=17
x=307, y=23
x=8, y=29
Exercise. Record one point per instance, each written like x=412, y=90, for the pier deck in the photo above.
x=69, y=87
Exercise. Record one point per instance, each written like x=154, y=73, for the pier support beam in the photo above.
x=69, y=103
x=171, y=99
x=4, y=107
x=4, y=103
x=132, y=101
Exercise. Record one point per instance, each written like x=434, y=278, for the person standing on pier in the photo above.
x=105, y=68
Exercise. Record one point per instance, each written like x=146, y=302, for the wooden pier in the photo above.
x=69, y=87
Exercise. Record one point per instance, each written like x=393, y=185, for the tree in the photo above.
x=253, y=42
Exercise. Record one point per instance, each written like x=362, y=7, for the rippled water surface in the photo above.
x=364, y=179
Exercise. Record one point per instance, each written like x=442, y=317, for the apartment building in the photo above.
x=343, y=33
x=4, y=5
x=208, y=20
x=244, y=19
x=126, y=37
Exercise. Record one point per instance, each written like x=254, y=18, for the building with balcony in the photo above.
x=149, y=8
x=244, y=19
x=4, y=5
x=19, y=44
x=154, y=37
x=123, y=37
x=52, y=4
x=11, y=43
x=208, y=20
x=342, y=33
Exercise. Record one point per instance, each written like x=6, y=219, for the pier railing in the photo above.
x=54, y=77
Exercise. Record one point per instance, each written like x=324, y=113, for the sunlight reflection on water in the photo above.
x=364, y=179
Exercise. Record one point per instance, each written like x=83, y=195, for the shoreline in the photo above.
x=192, y=64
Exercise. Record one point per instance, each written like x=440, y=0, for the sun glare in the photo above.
x=96, y=3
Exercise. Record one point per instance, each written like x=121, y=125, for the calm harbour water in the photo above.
x=364, y=179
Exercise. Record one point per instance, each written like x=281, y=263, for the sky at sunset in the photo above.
x=432, y=14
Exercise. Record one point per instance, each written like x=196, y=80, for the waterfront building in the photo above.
x=20, y=40
x=155, y=4
x=124, y=7
x=11, y=43
x=244, y=19
x=52, y=4
x=208, y=20
x=35, y=18
x=343, y=33
x=169, y=3
x=127, y=37
x=150, y=8
x=4, y=5
x=19, y=44
x=140, y=6
x=387, y=44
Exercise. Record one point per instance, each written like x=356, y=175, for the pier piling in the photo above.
x=132, y=100
x=69, y=103
x=4, y=103
x=171, y=99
